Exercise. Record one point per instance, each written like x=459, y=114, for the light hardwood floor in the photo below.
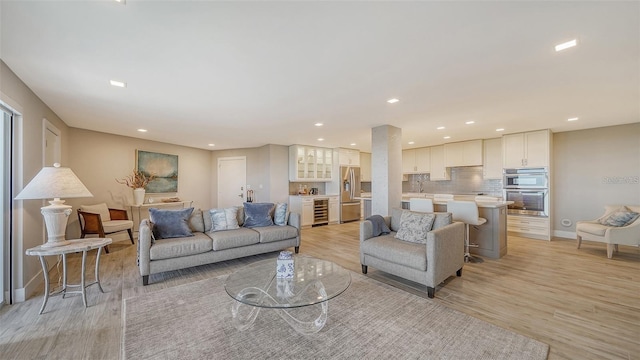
x=582, y=304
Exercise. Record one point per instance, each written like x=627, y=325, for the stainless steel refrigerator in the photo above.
x=349, y=189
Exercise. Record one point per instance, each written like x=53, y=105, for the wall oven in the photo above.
x=531, y=202
x=529, y=178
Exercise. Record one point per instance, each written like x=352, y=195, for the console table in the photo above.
x=139, y=212
x=74, y=246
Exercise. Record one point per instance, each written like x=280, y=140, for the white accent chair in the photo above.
x=101, y=220
x=421, y=205
x=466, y=212
x=594, y=230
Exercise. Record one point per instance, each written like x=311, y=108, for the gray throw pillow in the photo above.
x=224, y=219
x=621, y=217
x=414, y=226
x=280, y=214
x=170, y=223
x=257, y=214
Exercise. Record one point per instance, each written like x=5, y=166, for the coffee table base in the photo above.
x=243, y=322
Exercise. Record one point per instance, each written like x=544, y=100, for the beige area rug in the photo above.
x=369, y=320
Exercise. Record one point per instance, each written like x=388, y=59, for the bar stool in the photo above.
x=421, y=204
x=466, y=212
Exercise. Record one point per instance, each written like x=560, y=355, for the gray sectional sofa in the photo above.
x=206, y=246
x=429, y=263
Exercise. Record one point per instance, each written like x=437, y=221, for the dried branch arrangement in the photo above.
x=136, y=180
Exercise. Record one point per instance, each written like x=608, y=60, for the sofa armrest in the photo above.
x=366, y=228
x=294, y=220
x=445, y=251
x=145, y=239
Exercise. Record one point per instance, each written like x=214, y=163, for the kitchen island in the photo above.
x=489, y=239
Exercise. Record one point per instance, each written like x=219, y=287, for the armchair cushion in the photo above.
x=116, y=225
x=404, y=253
x=621, y=217
x=414, y=226
x=170, y=223
x=101, y=209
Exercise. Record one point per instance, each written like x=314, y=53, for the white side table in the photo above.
x=75, y=246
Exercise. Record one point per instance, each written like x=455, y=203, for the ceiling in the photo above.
x=246, y=74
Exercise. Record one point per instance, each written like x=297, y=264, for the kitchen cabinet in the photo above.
x=334, y=210
x=348, y=157
x=310, y=163
x=416, y=161
x=464, y=153
x=302, y=205
x=438, y=169
x=492, y=163
x=529, y=149
x=365, y=166
x=529, y=226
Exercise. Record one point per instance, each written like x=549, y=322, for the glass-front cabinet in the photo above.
x=310, y=163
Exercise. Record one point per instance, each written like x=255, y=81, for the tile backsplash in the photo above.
x=464, y=180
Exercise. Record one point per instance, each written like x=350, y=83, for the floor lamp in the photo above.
x=54, y=183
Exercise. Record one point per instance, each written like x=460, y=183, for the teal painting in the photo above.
x=163, y=166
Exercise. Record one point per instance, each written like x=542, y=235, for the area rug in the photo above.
x=369, y=320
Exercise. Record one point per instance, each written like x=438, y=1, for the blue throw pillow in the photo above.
x=170, y=223
x=257, y=214
x=280, y=214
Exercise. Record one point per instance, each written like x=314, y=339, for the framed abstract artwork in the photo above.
x=163, y=166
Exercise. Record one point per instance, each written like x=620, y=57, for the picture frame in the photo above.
x=163, y=166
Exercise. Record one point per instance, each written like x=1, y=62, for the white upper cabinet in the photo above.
x=310, y=163
x=365, y=166
x=464, y=153
x=438, y=169
x=348, y=157
x=492, y=164
x=530, y=149
x=416, y=161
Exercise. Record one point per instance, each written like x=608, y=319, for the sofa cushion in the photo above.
x=170, y=223
x=176, y=247
x=414, y=226
x=234, y=238
x=280, y=214
x=196, y=221
x=442, y=219
x=396, y=213
x=258, y=214
x=275, y=233
x=101, y=209
x=388, y=248
x=224, y=219
x=621, y=217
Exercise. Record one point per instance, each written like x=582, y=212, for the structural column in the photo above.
x=386, y=169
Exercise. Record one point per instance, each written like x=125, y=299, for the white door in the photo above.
x=232, y=181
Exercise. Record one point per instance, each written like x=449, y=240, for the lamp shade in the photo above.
x=54, y=182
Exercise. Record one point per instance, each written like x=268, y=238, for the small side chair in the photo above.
x=616, y=227
x=101, y=220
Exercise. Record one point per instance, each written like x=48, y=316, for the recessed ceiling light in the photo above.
x=318, y=124
x=470, y=122
x=566, y=45
x=440, y=128
x=212, y=144
x=572, y=119
x=121, y=1
x=118, y=83
x=320, y=139
x=353, y=144
x=499, y=129
x=411, y=142
x=142, y=130
x=447, y=137
x=392, y=101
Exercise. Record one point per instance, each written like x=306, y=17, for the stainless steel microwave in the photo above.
x=528, y=178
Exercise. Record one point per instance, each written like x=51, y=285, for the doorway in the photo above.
x=232, y=181
x=6, y=131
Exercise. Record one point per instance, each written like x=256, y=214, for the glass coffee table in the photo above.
x=314, y=283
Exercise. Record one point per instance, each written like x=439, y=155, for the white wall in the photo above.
x=583, y=160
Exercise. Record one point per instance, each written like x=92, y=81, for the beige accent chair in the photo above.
x=99, y=219
x=594, y=230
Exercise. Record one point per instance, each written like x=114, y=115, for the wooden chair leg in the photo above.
x=610, y=250
x=131, y=236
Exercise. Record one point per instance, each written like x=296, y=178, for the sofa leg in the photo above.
x=364, y=269
x=431, y=292
x=297, y=249
x=459, y=272
x=145, y=280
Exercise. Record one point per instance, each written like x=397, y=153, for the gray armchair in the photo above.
x=428, y=264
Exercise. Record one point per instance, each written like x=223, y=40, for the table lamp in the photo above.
x=54, y=183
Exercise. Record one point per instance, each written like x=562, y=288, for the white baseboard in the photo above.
x=33, y=285
x=564, y=234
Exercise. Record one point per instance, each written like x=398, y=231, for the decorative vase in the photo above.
x=138, y=196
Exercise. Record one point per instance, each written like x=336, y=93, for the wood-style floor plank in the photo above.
x=582, y=304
